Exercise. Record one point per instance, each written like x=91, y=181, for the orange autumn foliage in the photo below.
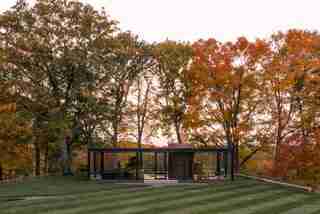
x=299, y=160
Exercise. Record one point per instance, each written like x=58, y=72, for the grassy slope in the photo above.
x=78, y=196
x=50, y=186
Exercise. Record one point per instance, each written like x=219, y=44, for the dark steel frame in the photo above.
x=139, y=151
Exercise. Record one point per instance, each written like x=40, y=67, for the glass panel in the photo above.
x=205, y=165
x=120, y=165
x=154, y=165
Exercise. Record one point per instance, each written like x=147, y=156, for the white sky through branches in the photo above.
x=156, y=20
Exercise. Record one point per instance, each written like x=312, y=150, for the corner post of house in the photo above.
x=141, y=166
x=89, y=163
x=155, y=165
x=165, y=163
x=231, y=149
x=218, y=172
x=137, y=165
x=101, y=163
x=95, y=164
x=226, y=160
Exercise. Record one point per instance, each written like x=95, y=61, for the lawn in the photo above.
x=75, y=195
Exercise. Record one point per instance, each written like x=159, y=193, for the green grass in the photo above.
x=76, y=195
x=50, y=186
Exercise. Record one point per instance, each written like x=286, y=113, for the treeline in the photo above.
x=75, y=77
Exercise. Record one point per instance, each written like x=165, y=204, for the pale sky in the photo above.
x=224, y=20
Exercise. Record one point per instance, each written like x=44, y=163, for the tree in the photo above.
x=143, y=107
x=129, y=59
x=53, y=49
x=15, y=129
x=225, y=90
x=173, y=61
x=287, y=93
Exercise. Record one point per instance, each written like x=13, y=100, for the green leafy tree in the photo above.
x=129, y=58
x=55, y=49
x=173, y=60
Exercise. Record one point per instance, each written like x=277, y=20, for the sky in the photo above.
x=224, y=20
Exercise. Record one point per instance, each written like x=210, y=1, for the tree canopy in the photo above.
x=70, y=75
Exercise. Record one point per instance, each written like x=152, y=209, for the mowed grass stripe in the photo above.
x=124, y=207
x=228, y=203
x=245, y=201
x=110, y=204
x=53, y=198
x=130, y=200
x=116, y=189
x=272, y=205
x=252, y=204
x=306, y=208
x=141, y=199
x=104, y=196
x=186, y=203
x=315, y=212
x=98, y=198
x=288, y=206
x=242, y=196
x=25, y=203
x=49, y=187
x=104, y=190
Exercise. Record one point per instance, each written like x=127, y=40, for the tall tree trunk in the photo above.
x=46, y=155
x=278, y=138
x=231, y=150
x=114, y=138
x=68, y=156
x=304, y=129
x=140, y=155
x=115, y=156
x=140, y=140
x=276, y=158
x=177, y=129
x=36, y=147
x=248, y=157
x=1, y=172
x=37, y=157
x=237, y=157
